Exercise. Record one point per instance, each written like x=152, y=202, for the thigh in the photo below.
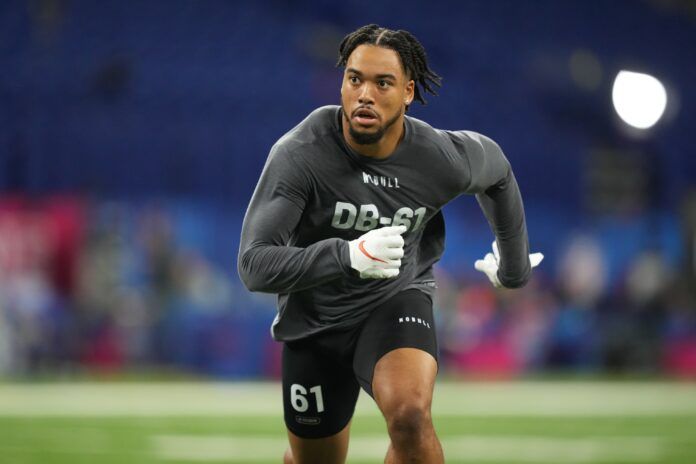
x=319, y=390
x=403, y=384
x=405, y=321
x=328, y=450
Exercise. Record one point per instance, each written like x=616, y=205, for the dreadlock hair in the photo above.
x=410, y=51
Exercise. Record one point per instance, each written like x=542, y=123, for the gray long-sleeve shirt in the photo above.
x=315, y=194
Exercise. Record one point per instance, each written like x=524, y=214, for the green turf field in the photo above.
x=521, y=422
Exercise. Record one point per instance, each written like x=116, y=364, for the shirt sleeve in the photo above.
x=266, y=263
x=489, y=176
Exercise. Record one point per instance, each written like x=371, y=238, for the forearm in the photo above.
x=502, y=205
x=264, y=267
x=266, y=263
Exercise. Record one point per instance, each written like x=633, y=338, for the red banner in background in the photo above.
x=40, y=239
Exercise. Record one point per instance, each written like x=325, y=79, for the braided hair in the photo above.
x=410, y=51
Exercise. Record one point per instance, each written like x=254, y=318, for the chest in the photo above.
x=350, y=198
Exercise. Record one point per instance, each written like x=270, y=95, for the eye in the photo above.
x=353, y=80
x=383, y=84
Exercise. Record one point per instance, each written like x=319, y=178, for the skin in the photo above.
x=404, y=378
x=403, y=385
x=375, y=80
x=329, y=450
x=403, y=388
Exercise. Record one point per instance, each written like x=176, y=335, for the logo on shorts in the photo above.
x=308, y=420
x=414, y=320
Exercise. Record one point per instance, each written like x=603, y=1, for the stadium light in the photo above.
x=639, y=99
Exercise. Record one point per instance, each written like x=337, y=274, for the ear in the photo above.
x=410, y=88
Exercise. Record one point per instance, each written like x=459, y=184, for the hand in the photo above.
x=377, y=254
x=490, y=263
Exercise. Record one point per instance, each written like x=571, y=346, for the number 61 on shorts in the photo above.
x=299, y=401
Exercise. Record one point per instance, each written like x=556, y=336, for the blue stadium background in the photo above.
x=143, y=126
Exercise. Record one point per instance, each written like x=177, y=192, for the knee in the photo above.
x=287, y=457
x=407, y=422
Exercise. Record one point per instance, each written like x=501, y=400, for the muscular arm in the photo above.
x=266, y=263
x=498, y=194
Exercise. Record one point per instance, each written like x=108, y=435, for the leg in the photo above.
x=329, y=450
x=403, y=388
x=396, y=363
x=319, y=396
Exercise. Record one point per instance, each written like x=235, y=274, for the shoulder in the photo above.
x=297, y=149
x=473, y=140
x=453, y=144
x=472, y=146
x=424, y=133
x=447, y=140
x=311, y=130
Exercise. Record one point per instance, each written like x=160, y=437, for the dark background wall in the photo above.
x=183, y=97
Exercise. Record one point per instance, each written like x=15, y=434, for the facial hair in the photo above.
x=369, y=138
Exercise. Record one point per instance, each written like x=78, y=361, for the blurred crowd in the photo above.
x=115, y=288
x=575, y=321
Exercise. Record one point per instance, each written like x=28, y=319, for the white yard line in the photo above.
x=553, y=450
x=521, y=449
x=576, y=399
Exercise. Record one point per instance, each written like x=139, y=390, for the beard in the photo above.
x=368, y=138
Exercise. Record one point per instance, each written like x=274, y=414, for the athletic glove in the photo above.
x=490, y=263
x=377, y=254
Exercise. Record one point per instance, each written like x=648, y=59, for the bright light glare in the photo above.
x=639, y=99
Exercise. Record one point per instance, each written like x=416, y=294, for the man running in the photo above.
x=345, y=225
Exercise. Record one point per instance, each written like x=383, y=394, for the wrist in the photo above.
x=512, y=282
x=345, y=258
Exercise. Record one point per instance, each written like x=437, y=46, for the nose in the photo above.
x=365, y=97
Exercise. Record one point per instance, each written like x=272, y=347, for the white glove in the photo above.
x=377, y=254
x=490, y=263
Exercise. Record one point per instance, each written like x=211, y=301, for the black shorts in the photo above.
x=322, y=374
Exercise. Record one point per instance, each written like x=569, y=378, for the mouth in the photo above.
x=365, y=117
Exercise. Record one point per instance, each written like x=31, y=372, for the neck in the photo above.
x=381, y=149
